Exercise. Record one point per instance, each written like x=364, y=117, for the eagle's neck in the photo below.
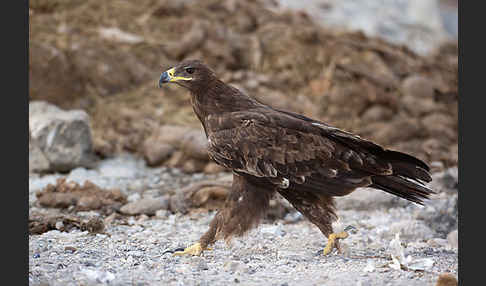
x=217, y=97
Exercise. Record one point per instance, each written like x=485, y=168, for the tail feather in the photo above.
x=415, y=173
x=395, y=156
x=408, y=178
x=402, y=187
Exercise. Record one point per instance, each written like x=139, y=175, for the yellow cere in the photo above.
x=176, y=78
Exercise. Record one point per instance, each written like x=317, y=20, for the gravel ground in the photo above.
x=281, y=252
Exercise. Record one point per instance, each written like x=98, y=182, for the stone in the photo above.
x=64, y=137
x=37, y=159
x=418, y=106
x=148, y=206
x=213, y=168
x=156, y=153
x=377, y=113
x=162, y=214
x=446, y=279
x=418, y=86
x=453, y=239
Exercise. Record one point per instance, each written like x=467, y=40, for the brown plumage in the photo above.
x=307, y=161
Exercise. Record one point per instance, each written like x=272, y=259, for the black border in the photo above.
x=14, y=123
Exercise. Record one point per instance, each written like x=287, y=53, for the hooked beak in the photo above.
x=168, y=76
x=164, y=78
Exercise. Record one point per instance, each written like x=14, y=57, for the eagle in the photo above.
x=269, y=151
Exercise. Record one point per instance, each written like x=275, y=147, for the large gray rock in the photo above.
x=37, y=160
x=64, y=137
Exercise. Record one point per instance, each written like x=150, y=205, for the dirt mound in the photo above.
x=80, y=197
x=105, y=57
x=41, y=222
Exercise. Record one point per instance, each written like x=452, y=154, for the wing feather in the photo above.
x=270, y=144
x=280, y=146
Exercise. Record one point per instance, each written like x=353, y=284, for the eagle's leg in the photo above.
x=243, y=209
x=318, y=209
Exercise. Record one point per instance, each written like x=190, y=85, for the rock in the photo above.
x=133, y=197
x=418, y=106
x=422, y=264
x=178, y=146
x=418, y=86
x=147, y=206
x=453, y=239
x=89, y=196
x=400, y=128
x=210, y=196
x=195, y=144
x=446, y=279
x=193, y=166
x=63, y=136
x=440, y=124
x=179, y=204
x=190, y=41
x=376, y=113
x=213, y=168
x=156, y=153
x=37, y=159
x=162, y=213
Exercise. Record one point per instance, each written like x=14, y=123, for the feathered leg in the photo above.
x=318, y=209
x=243, y=210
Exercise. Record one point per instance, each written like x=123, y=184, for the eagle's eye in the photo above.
x=189, y=70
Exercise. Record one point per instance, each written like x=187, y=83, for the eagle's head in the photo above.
x=191, y=74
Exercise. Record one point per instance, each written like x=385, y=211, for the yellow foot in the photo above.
x=194, y=249
x=332, y=240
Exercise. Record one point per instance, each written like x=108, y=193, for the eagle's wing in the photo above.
x=292, y=149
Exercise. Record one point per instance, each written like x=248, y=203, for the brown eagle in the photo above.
x=306, y=161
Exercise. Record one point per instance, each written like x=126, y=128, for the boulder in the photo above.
x=37, y=160
x=64, y=137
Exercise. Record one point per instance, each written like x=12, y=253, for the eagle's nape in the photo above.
x=306, y=161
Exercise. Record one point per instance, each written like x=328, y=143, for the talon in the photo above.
x=332, y=241
x=195, y=249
